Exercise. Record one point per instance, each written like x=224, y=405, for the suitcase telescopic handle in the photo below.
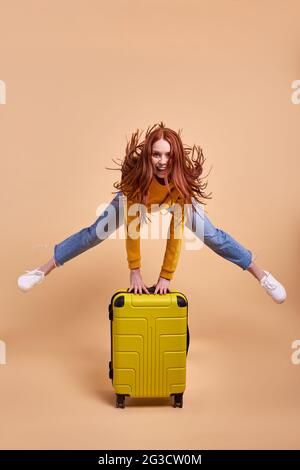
x=151, y=289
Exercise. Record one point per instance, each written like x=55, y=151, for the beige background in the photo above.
x=80, y=77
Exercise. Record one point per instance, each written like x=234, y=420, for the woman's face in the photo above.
x=160, y=156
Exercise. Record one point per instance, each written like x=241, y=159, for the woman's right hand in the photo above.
x=136, y=282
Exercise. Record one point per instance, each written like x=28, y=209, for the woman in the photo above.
x=158, y=171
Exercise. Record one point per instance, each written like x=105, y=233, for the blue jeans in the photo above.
x=113, y=217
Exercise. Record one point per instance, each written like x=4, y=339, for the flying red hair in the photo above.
x=185, y=165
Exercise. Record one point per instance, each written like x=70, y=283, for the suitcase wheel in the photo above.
x=178, y=400
x=120, y=401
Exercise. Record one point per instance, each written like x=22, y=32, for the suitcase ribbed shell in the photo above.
x=148, y=343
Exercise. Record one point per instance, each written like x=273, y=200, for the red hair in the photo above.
x=185, y=164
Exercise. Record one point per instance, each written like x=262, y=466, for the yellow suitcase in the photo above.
x=149, y=345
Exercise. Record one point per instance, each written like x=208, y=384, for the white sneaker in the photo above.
x=273, y=288
x=28, y=280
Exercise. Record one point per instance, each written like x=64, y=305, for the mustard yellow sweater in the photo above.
x=158, y=194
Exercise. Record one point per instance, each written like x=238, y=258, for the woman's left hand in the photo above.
x=162, y=286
